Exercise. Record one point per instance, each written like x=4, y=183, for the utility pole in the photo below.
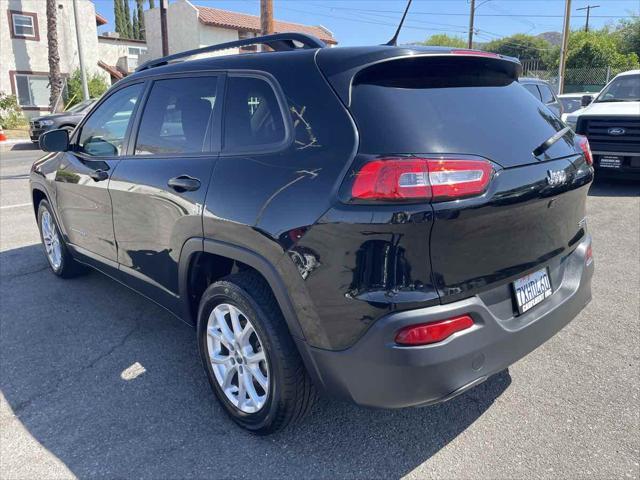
x=83, y=73
x=565, y=43
x=266, y=17
x=163, y=27
x=472, y=14
x=588, y=9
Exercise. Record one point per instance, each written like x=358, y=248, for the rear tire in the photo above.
x=60, y=260
x=289, y=393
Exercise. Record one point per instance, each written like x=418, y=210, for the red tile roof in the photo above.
x=113, y=71
x=242, y=21
x=100, y=20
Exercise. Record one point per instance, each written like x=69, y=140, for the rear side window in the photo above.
x=252, y=115
x=177, y=116
x=533, y=90
x=547, y=94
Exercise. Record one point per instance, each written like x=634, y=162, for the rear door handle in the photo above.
x=184, y=183
x=99, y=175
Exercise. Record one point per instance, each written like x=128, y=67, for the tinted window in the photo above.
x=177, y=116
x=104, y=131
x=547, y=94
x=453, y=106
x=252, y=114
x=532, y=89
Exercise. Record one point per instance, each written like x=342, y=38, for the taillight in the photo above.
x=583, y=143
x=433, y=332
x=398, y=179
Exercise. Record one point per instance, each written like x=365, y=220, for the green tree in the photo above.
x=118, y=11
x=598, y=48
x=55, y=78
x=135, y=25
x=127, y=20
x=524, y=47
x=97, y=86
x=628, y=35
x=141, y=29
x=152, y=4
x=444, y=40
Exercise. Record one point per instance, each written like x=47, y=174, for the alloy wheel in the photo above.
x=51, y=240
x=237, y=358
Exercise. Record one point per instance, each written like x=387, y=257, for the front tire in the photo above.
x=60, y=260
x=251, y=361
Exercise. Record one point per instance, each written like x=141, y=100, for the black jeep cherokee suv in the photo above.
x=389, y=225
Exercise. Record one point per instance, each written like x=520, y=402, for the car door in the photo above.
x=158, y=188
x=82, y=178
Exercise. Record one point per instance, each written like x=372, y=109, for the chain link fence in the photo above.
x=589, y=79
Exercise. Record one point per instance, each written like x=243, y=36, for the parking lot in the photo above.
x=97, y=381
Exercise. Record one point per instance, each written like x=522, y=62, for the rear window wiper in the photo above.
x=544, y=146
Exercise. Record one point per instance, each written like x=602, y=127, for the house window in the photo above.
x=23, y=25
x=32, y=90
x=136, y=51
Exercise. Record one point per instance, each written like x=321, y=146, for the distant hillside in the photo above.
x=554, y=38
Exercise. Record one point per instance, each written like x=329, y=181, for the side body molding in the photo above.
x=243, y=255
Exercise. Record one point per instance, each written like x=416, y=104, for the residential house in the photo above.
x=24, y=60
x=191, y=26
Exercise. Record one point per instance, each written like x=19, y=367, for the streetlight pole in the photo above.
x=83, y=73
x=565, y=43
x=163, y=27
x=588, y=9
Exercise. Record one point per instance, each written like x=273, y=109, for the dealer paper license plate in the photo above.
x=532, y=289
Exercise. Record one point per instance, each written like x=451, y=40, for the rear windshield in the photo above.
x=451, y=105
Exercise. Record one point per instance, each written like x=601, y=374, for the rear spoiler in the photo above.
x=341, y=71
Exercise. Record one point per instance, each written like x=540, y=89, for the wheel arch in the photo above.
x=37, y=195
x=240, y=255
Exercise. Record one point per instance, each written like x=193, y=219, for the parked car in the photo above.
x=612, y=125
x=543, y=92
x=572, y=102
x=67, y=120
x=373, y=223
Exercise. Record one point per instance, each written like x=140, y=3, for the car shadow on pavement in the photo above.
x=112, y=386
x=614, y=187
x=26, y=145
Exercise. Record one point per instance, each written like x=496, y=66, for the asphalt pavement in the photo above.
x=96, y=381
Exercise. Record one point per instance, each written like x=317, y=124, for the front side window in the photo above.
x=177, y=116
x=103, y=133
x=547, y=94
x=23, y=25
x=252, y=115
x=32, y=90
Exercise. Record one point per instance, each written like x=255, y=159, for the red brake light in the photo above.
x=477, y=53
x=421, y=179
x=583, y=143
x=434, y=332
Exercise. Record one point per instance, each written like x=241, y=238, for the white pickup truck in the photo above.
x=612, y=125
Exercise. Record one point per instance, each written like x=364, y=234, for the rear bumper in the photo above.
x=377, y=372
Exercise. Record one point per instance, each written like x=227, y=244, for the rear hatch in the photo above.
x=468, y=106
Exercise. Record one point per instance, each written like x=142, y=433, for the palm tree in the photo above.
x=55, y=79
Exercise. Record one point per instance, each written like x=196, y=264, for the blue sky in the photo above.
x=362, y=22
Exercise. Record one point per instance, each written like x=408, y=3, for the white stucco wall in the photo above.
x=30, y=55
x=112, y=50
x=185, y=31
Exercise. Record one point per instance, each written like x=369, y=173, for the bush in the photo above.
x=10, y=114
x=96, y=83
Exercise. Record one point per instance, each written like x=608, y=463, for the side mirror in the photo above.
x=54, y=141
x=586, y=100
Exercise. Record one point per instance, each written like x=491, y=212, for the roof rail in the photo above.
x=278, y=42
